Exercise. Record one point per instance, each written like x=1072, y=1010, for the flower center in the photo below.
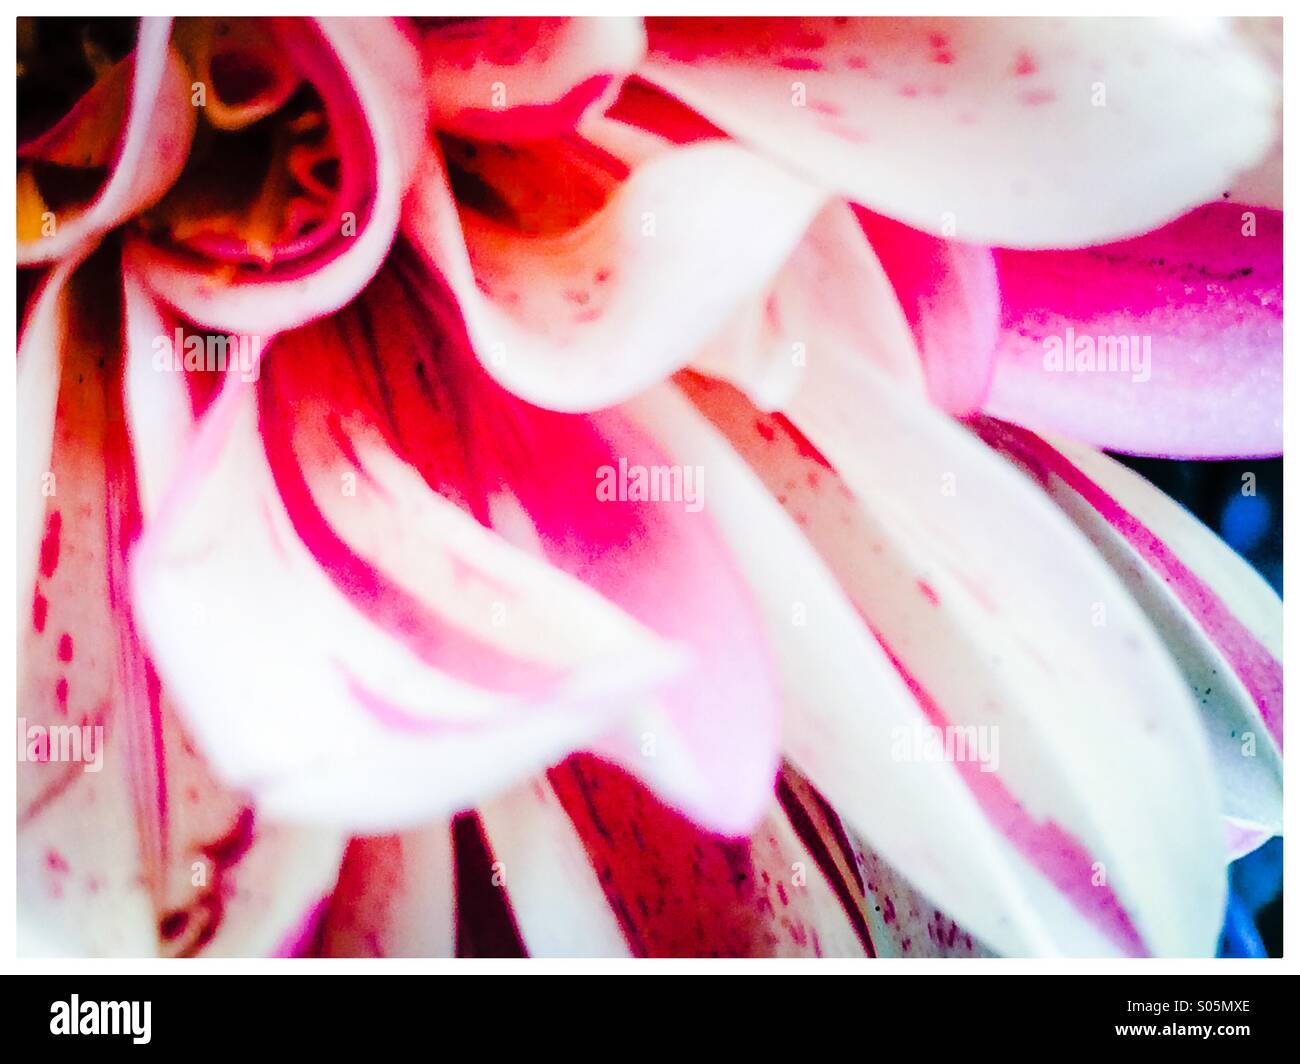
x=266, y=180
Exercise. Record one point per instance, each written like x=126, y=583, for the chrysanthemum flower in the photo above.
x=595, y=488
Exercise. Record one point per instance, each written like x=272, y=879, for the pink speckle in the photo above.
x=1025, y=65
x=50, y=544
x=65, y=647
x=929, y=592
x=40, y=606
x=799, y=62
x=61, y=694
x=55, y=862
x=1037, y=97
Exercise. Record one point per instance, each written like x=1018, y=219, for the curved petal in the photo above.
x=1168, y=344
x=1007, y=129
x=988, y=625
x=1218, y=616
x=430, y=648
x=526, y=78
x=582, y=317
x=151, y=151
x=367, y=73
x=949, y=292
x=831, y=294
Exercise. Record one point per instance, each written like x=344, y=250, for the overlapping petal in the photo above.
x=134, y=126
x=637, y=272
x=1218, y=616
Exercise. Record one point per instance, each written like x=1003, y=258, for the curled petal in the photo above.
x=582, y=314
x=1168, y=344
x=526, y=78
x=150, y=148
x=264, y=268
x=1007, y=129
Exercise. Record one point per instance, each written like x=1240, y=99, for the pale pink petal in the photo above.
x=1017, y=132
x=526, y=78
x=1261, y=185
x=1222, y=622
x=949, y=292
x=579, y=316
x=368, y=75
x=151, y=151
x=1167, y=344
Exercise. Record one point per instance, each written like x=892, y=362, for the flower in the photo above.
x=598, y=487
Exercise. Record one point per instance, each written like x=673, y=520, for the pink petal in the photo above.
x=436, y=664
x=152, y=150
x=949, y=292
x=992, y=125
x=584, y=315
x=526, y=78
x=1186, y=323
x=368, y=74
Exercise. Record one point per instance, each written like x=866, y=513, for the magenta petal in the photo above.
x=1186, y=323
x=949, y=292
